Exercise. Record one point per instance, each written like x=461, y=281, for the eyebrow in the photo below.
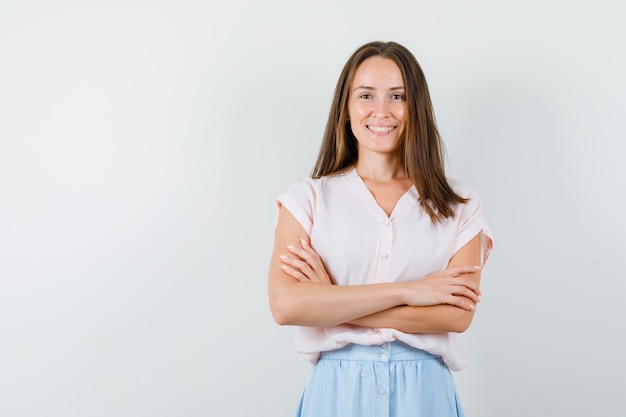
x=366, y=87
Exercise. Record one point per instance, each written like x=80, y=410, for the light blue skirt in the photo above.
x=388, y=380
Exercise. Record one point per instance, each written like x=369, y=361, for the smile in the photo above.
x=381, y=129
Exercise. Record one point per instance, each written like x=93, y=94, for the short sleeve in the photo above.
x=470, y=222
x=299, y=199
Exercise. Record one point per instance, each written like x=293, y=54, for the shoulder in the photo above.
x=302, y=198
x=469, y=220
x=316, y=185
x=463, y=188
x=303, y=188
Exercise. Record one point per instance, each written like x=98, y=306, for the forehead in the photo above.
x=378, y=72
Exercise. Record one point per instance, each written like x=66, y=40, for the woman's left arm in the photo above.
x=440, y=318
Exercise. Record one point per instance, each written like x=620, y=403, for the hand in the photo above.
x=445, y=287
x=306, y=266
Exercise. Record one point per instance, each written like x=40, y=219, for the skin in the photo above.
x=300, y=289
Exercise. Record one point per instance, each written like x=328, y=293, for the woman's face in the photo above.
x=377, y=106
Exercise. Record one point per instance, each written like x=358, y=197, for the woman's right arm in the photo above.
x=300, y=294
x=316, y=303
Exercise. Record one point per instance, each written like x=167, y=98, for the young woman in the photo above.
x=377, y=257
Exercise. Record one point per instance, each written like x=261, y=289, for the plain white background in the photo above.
x=142, y=144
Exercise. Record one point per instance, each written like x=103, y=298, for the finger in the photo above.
x=294, y=273
x=307, y=247
x=314, y=268
x=303, y=267
x=466, y=283
x=308, y=250
x=461, y=302
x=455, y=271
x=306, y=270
x=309, y=255
x=296, y=263
x=299, y=252
x=466, y=292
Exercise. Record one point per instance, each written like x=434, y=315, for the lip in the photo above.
x=381, y=130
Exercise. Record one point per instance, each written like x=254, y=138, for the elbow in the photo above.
x=279, y=305
x=288, y=307
x=462, y=322
x=459, y=327
x=281, y=312
x=280, y=317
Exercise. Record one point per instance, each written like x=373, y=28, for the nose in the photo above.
x=381, y=108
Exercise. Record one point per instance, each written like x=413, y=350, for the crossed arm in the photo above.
x=301, y=292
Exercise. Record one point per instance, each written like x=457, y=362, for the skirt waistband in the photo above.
x=385, y=352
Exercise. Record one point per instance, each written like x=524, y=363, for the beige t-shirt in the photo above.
x=360, y=244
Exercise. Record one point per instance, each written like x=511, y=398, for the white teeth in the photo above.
x=381, y=129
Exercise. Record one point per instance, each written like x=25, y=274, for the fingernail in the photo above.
x=283, y=258
x=291, y=247
x=478, y=267
x=303, y=242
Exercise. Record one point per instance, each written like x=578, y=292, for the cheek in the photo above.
x=401, y=114
x=358, y=112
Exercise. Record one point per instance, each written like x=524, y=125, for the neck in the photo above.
x=380, y=168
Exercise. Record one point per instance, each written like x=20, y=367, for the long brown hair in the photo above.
x=422, y=150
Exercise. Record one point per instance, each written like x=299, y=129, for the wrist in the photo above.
x=399, y=293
